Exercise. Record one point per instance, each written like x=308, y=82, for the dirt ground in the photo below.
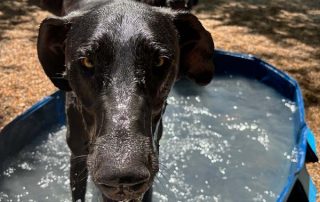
x=284, y=33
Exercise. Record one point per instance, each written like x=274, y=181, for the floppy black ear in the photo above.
x=196, y=49
x=182, y=4
x=53, y=6
x=50, y=46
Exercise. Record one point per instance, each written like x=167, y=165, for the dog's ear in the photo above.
x=196, y=48
x=181, y=4
x=50, y=46
x=53, y=6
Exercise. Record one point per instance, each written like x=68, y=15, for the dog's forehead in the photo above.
x=117, y=24
x=124, y=27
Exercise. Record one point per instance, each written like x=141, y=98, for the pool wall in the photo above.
x=50, y=112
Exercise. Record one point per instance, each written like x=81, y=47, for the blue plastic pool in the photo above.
x=297, y=185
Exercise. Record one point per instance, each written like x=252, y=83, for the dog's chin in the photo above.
x=123, y=198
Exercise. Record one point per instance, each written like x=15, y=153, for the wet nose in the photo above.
x=131, y=178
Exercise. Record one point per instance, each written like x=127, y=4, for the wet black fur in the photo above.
x=114, y=109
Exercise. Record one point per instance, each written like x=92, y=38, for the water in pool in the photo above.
x=228, y=141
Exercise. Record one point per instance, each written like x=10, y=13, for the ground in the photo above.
x=284, y=33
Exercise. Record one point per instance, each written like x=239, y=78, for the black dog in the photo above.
x=118, y=60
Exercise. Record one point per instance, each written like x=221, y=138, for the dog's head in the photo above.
x=174, y=4
x=121, y=61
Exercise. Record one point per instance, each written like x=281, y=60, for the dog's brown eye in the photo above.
x=160, y=62
x=86, y=62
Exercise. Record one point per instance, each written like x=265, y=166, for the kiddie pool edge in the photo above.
x=49, y=112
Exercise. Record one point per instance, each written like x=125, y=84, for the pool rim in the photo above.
x=305, y=137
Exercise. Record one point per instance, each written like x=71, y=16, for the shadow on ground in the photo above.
x=13, y=13
x=311, y=92
x=277, y=20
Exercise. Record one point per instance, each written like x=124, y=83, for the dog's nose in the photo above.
x=131, y=179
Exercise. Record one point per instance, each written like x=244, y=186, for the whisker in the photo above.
x=164, y=176
x=160, y=185
x=164, y=166
x=80, y=156
x=85, y=177
x=83, y=172
x=79, y=159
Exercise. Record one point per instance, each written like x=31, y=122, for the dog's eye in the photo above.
x=161, y=61
x=86, y=62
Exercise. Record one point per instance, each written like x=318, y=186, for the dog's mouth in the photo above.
x=124, y=194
